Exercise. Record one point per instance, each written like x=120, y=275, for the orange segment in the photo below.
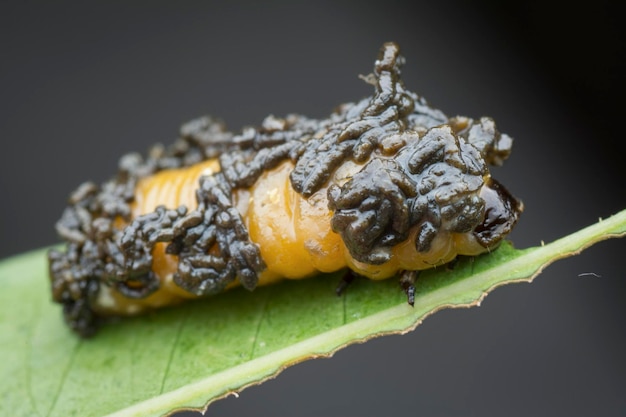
x=271, y=224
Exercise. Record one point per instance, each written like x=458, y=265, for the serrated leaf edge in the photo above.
x=396, y=320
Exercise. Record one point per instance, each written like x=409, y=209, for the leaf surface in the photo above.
x=191, y=355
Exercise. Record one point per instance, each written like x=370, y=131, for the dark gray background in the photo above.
x=80, y=85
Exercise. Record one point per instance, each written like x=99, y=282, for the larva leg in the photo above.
x=203, y=270
x=407, y=282
x=452, y=264
x=346, y=279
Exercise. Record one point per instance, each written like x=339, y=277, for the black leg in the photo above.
x=452, y=264
x=407, y=282
x=347, y=279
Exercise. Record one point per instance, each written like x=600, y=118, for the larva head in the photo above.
x=502, y=210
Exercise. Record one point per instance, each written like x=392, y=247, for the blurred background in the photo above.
x=83, y=83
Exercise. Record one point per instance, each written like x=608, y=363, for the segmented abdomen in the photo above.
x=294, y=233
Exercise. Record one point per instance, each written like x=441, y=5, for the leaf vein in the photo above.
x=264, y=310
x=29, y=363
x=170, y=358
x=64, y=376
x=345, y=308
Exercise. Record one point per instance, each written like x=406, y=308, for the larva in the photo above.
x=384, y=187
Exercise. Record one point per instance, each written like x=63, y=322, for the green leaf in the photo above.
x=189, y=356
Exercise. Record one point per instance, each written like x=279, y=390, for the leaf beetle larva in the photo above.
x=384, y=187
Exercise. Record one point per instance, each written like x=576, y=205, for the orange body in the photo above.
x=294, y=234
